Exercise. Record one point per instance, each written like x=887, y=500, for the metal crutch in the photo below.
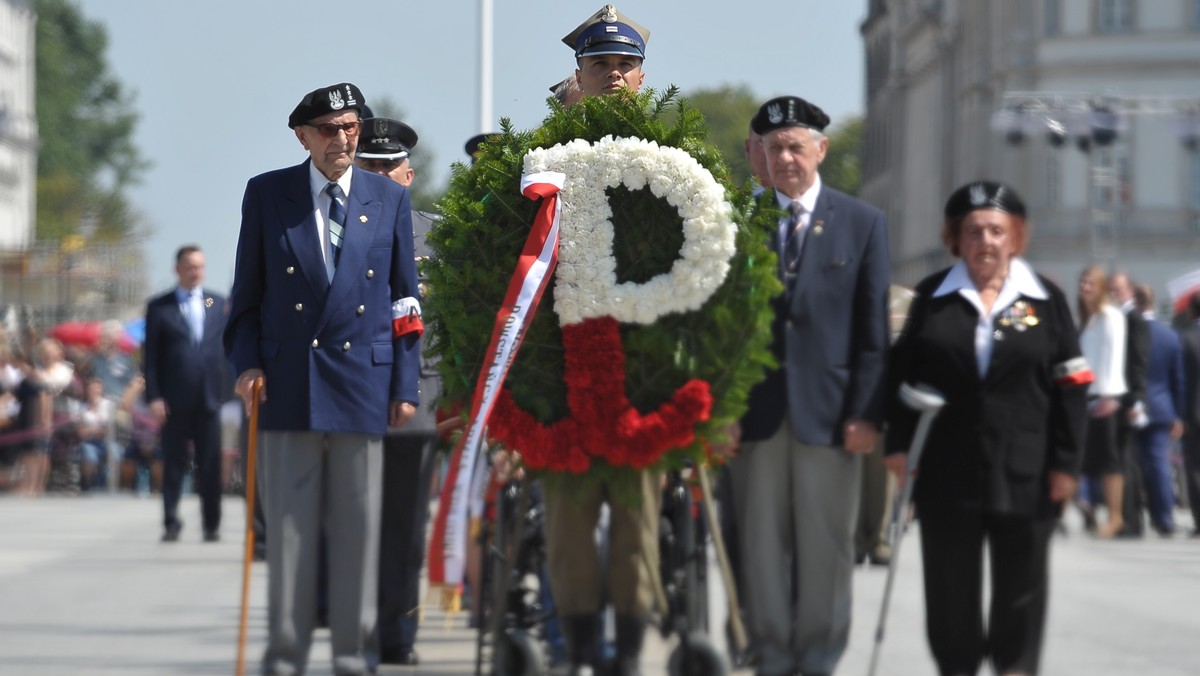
x=928, y=402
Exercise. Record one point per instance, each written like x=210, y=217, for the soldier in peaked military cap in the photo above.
x=384, y=147
x=609, y=50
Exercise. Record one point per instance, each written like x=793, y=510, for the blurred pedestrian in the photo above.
x=1102, y=336
x=998, y=342
x=186, y=379
x=49, y=376
x=1131, y=417
x=1190, y=338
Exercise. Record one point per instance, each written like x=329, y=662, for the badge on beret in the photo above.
x=774, y=113
x=336, y=101
x=978, y=195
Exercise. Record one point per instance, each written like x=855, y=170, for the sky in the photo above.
x=214, y=81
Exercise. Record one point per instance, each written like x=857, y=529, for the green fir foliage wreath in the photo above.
x=485, y=221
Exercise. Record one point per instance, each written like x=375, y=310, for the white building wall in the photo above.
x=18, y=125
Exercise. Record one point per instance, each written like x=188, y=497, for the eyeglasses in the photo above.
x=385, y=166
x=330, y=130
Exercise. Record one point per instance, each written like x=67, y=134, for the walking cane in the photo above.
x=928, y=402
x=251, y=482
x=740, y=641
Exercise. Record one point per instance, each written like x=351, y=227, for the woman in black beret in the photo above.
x=1002, y=457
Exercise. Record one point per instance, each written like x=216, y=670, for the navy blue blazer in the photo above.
x=830, y=330
x=185, y=375
x=1164, y=374
x=327, y=348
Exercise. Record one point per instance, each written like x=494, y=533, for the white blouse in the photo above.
x=1103, y=344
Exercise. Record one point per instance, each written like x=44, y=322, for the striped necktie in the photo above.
x=795, y=237
x=337, y=220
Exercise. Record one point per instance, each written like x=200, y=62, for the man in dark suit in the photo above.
x=186, y=378
x=1132, y=415
x=796, y=480
x=409, y=460
x=1164, y=409
x=324, y=310
x=1190, y=337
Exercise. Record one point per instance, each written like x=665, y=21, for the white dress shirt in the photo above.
x=321, y=199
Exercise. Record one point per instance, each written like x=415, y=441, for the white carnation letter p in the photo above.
x=585, y=284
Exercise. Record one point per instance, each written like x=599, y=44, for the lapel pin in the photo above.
x=998, y=335
x=208, y=302
x=818, y=227
x=362, y=218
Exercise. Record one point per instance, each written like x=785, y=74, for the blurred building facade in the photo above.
x=1090, y=108
x=18, y=124
x=44, y=283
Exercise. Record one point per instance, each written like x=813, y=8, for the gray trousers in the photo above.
x=797, y=508
x=312, y=480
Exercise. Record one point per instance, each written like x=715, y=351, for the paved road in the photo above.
x=86, y=588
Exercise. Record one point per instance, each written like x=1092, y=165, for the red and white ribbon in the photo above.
x=535, y=267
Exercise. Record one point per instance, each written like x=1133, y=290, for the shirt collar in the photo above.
x=182, y=294
x=808, y=200
x=317, y=181
x=1021, y=281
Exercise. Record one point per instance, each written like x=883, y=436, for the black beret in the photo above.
x=383, y=138
x=788, y=111
x=983, y=195
x=326, y=100
x=472, y=146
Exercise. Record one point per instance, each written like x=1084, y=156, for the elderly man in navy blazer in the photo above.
x=324, y=309
x=186, y=378
x=796, y=480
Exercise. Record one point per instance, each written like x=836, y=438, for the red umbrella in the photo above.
x=88, y=334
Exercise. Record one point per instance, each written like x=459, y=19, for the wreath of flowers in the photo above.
x=585, y=284
x=637, y=356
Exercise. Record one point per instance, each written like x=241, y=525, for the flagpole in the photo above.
x=485, y=65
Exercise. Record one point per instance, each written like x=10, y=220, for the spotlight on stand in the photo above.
x=1189, y=130
x=1011, y=123
x=1104, y=125
x=1056, y=132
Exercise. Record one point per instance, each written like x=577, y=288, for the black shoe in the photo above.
x=212, y=536
x=171, y=534
x=404, y=656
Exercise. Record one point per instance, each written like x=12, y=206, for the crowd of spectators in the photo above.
x=71, y=416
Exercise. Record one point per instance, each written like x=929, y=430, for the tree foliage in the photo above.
x=843, y=161
x=727, y=111
x=86, y=122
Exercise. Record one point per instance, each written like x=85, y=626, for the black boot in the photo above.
x=631, y=629
x=580, y=632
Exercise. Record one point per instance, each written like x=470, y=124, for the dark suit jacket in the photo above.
x=1190, y=338
x=186, y=376
x=830, y=329
x=1164, y=374
x=1137, y=355
x=992, y=444
x=331, y=361
x=424, y=421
